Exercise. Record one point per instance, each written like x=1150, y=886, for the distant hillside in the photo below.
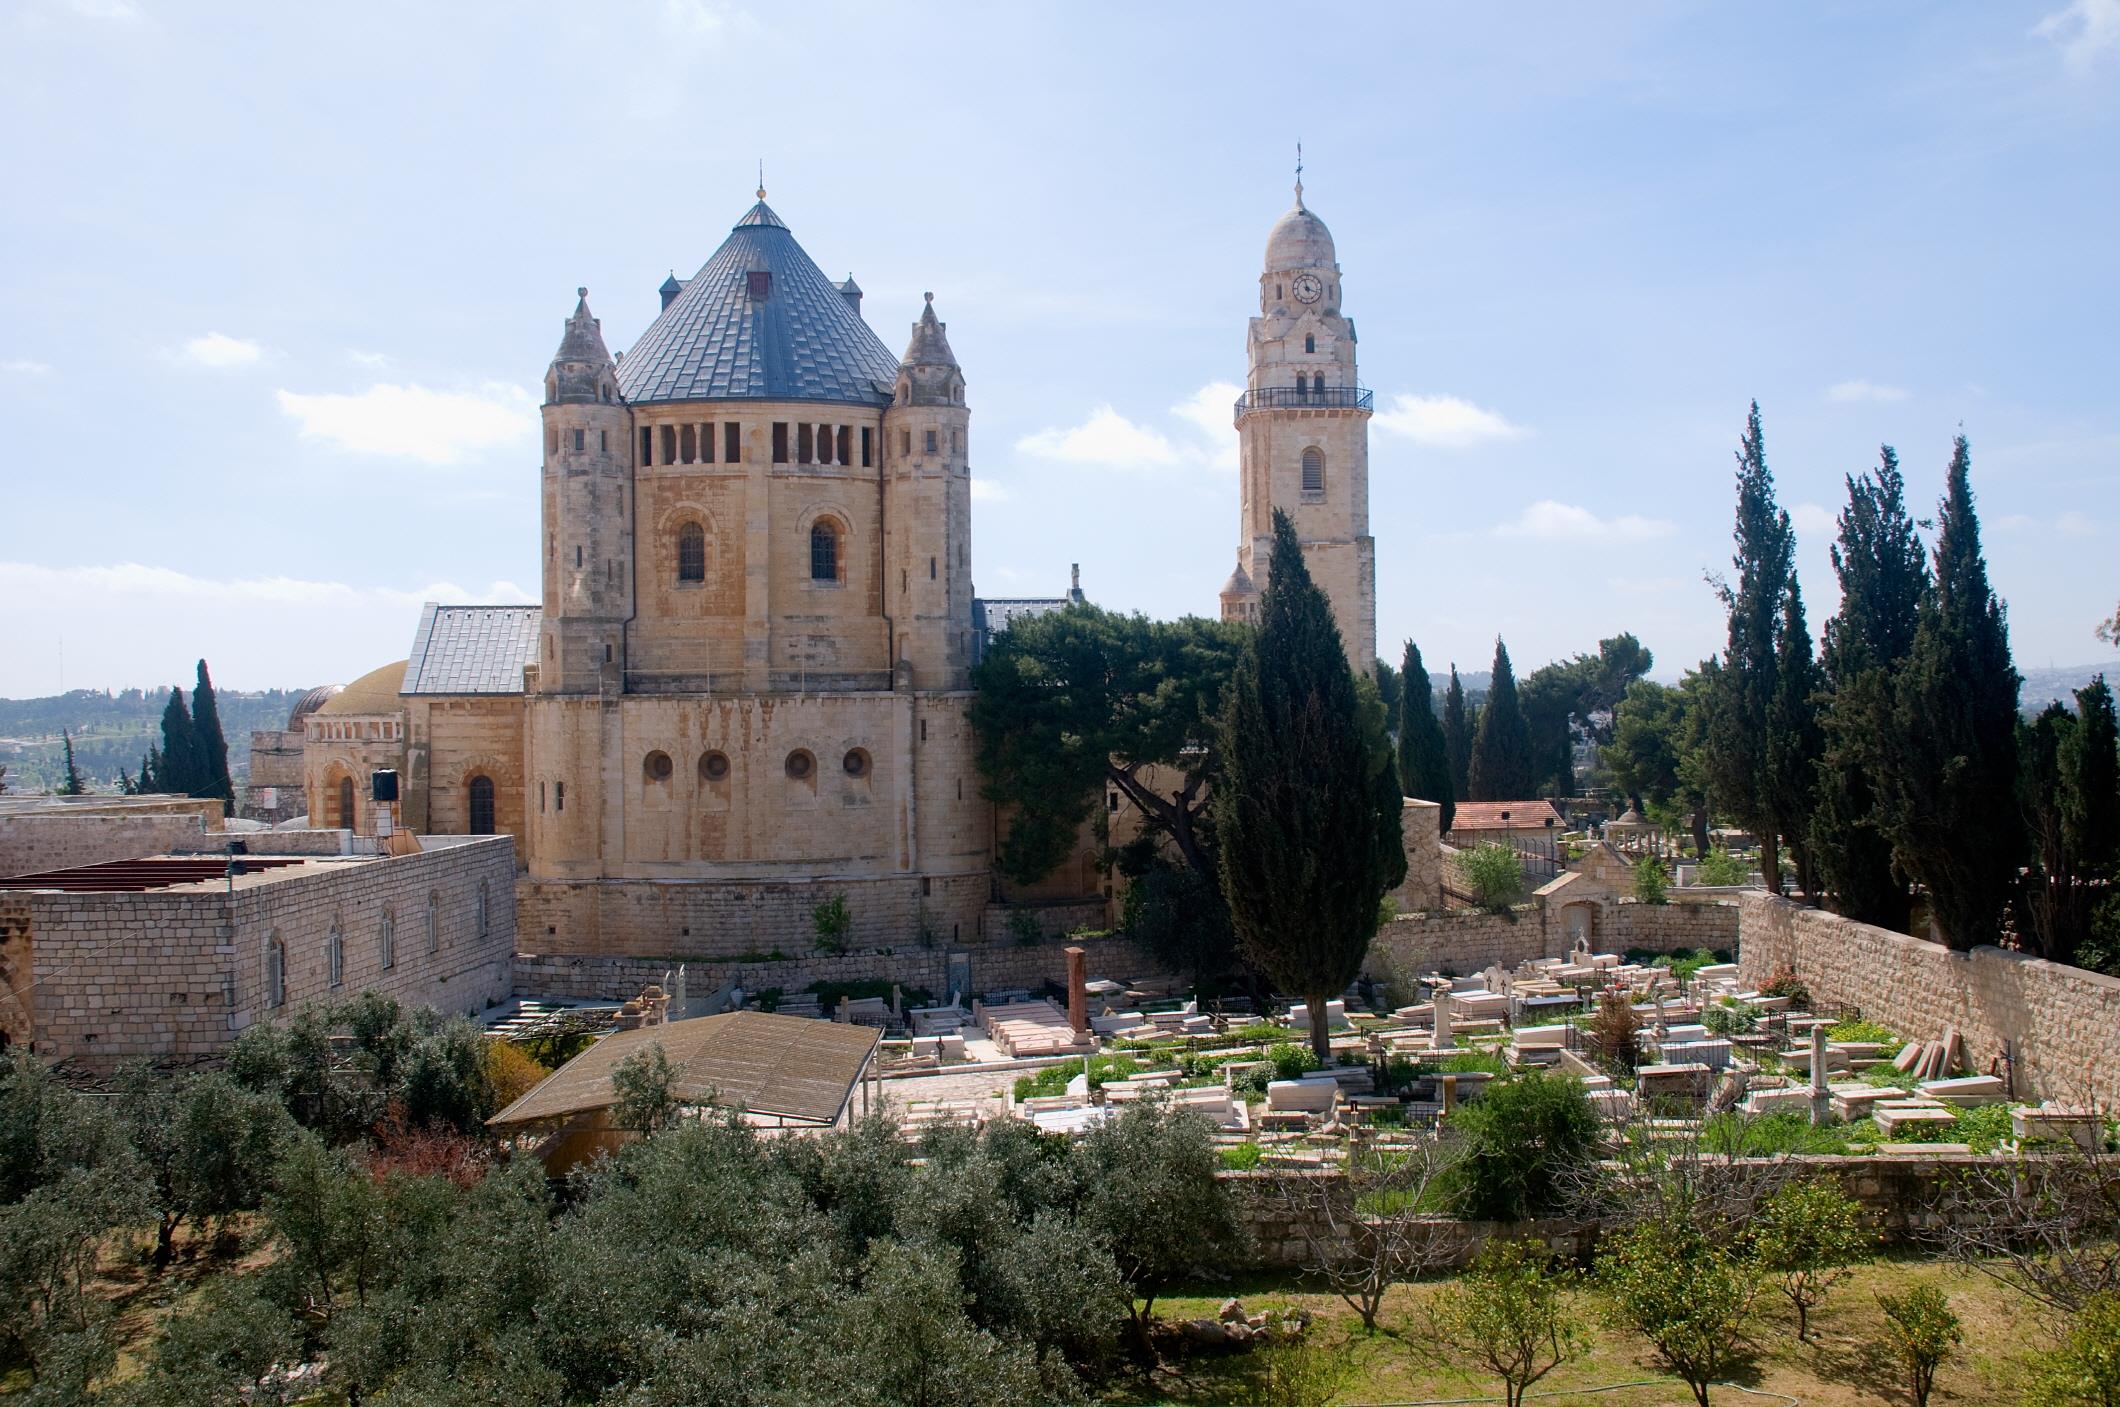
x=112, y=730
x=2044, y=686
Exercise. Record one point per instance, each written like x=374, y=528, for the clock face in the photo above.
x=1308, y=288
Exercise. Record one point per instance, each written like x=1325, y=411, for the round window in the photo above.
x=714, y=766
x=658, y=766
x=799, y=765
x=857, y=763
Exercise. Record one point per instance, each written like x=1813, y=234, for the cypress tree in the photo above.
x=214, y=780
x=70, y=784
x=1501, y=752
x=1424, y=759
x=1457, y=736
x=1948, y=787
x=2090, y=783
x=1884, y=578
x=1794, y=740
x=1304, y=862
x=1741, y=715
x=178, y=770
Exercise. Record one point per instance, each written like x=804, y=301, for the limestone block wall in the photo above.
x=181, y=972
x=595, y=978
x=1420, y=830
x=1467, y=940
x=999, y=923
x=32, y=844
x=710, y=920
x=2054, y=1029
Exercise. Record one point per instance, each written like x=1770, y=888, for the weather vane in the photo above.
x=1299, y=173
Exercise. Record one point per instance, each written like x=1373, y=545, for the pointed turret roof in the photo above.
x=583, y=341
x=759, y=321
x=931, y=344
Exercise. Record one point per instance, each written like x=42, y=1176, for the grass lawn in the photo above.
x=1844, y=1364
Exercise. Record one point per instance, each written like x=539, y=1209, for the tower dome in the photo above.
x=1299, y=240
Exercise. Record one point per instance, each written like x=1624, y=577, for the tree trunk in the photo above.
x=1700, y=832
x=1320, y=1032
x=1770, y=858
x=165, y=1241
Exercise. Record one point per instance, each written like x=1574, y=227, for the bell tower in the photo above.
x=1303, y=435
x=588, y=514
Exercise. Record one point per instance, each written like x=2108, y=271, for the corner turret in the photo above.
x=588, y=472
x=582, y=369
x=928, y=509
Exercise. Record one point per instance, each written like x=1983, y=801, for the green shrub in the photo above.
x=1495, y=874
x=1259, y=1032
x=1785, y=983
x=1649, y=881
x=1053, y=1079
x=1732, y=1134
x=1023, y=926
x=1523, y=1137
x=1868, y=1032
x=1468, y=1062
x=1986, y=1128
x=1242, y=1157
x=1721, y=868
x=1290, y=1060
x=1922, y=1331
x=832, y=920
x=1684, y=966
x=1729, y=1019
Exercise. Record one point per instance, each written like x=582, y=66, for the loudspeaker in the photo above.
x=385, y=784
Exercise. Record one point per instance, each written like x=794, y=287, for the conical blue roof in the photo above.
x=789, y=336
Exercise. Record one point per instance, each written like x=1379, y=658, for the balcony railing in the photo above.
x=1313, y=397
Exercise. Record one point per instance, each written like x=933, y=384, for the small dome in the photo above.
x=374, y=692
x=309, y=703
x=1239, y=584
x=1299, y=241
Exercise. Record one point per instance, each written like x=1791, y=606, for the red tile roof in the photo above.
x=1505, y=816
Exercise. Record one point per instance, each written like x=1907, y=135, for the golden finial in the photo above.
x=761, y=178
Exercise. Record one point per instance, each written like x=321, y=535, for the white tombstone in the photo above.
x=1440, y=1038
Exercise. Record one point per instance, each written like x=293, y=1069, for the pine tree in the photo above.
x=1948, y=787
x=1457, y=737
x=1304, y=865
x=1794, y=740
x=214, y=780
x=70, y=784
x=1501, y=752
x=1884, y=578
x=178, y=770
x=1742, y=714
x=1424, y=759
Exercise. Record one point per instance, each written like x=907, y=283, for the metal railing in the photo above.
x=1311, y=397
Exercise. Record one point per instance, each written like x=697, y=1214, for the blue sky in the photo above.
x=280, y=282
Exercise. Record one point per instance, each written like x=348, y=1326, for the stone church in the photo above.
x=746, y=689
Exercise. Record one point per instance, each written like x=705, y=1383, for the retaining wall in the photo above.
x=2054, y=1030
x=1461, y=941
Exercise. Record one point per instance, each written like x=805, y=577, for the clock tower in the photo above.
x=1303, y=436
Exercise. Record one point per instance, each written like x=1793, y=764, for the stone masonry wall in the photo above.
x=597, y=978
x=1282, y=1209
x=173, y=973
x=2057, y=1023
x=1462, y=941
x=33, y=844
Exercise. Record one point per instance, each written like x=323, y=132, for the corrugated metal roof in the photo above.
x=792, y=337
x=760, y=1062
x=472, y=649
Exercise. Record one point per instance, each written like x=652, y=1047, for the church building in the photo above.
x=745, y=692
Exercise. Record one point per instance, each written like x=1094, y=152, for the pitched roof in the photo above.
x=1505, y=816
x=764, y=1063
x=794, y=336
x=472, y=649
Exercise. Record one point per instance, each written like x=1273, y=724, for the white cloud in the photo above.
x=704, y=21
x=2075, y=524
x=987, y=491
x=1106, y=438
x=121, y=11
x=217, y=351
x=23, y=366
x=2083, y=31
x=1851, y=392
x=130, y=623
x=1446, y=422
x=1810, y=518
x=374, y=361
x=1551, y=521
x=1211, y=410
x=413, y=422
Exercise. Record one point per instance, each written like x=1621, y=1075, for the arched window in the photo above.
x=344, y=818
x=1317, y=384
x=1313, y=470
x=824, y=552
x=691, y=553
x=1310, y=342
x=335, y=956
x=434, y=923
x=386, y=941
x=275, y=971
x=480, y=808
x=856, y=762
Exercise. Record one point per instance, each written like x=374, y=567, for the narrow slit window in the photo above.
x=669, y=444
x=731, y=442
x=706, y=443
x=1310, y=342
x=804, y=452
x=780, y=442
x=931, y=442
x=579, y=441
x=647, y=446
x=866, y=452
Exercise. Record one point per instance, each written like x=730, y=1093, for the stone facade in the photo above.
x=1419, y=834
x=2048, y=1027
x=61, y=839
x=1303, y=436
x=181, y=971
